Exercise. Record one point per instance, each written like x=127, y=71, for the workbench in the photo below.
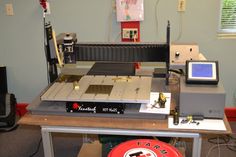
x=112, y=126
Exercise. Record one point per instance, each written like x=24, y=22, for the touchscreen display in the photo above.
x=202, y=70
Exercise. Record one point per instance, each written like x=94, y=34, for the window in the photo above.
x=228, y=17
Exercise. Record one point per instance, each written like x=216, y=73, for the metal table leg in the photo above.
x=48, y=146
x=197, y=145
x=47, y=143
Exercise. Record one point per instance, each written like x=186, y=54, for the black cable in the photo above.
x=228, y=140
x=232, y=148
x=233, y=138
x=233, y=141
x=7, y=129
x=44, y=45
x=180, y=71
x=37, y=150
x=219, y=140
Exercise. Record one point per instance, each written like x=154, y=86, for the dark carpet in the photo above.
x=24, y=140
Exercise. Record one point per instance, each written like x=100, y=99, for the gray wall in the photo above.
x=21, y=36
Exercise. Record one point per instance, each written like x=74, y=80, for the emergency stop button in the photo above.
x=75, y=106
x=144, y=148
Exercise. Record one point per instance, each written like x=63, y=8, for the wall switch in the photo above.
x=181, y=5
x=129, y=33
x=9, y=9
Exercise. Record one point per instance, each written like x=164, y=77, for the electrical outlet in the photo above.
x=113, y=6
x=181, y=5
x=9, y=9
x=130, y=33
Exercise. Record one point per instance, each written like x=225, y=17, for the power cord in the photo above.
x=110, y=24
x=180, y=71
x=37, y=149
x=7, y=129
x=180, y=26
x=228, y=141
x=219, y=140
x=156, y=18
x=233, y=141
x=117, y=37
x=218, y=145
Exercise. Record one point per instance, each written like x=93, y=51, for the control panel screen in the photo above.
x=202, y=72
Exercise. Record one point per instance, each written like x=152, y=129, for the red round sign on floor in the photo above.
x=144, y=148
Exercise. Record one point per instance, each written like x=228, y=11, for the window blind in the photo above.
x=228, y=16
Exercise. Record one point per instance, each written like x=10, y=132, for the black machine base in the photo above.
x=95, y=107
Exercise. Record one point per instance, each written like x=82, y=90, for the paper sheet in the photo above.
x=206, y=124
x=150, y=108
x=130, y=10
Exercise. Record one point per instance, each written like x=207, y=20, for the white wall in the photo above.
x=21, y=48
x=21, y=36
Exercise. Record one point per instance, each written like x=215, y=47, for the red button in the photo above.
x=75, y=106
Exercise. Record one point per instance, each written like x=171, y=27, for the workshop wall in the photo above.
x=21, y=48
x=21, y=35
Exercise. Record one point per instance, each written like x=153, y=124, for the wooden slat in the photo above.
x=65, y=91
x=122, y=91
x=53, y=94
x=97, y=80
x=108, y=80
x=144, y=88
x=83, y=85
x=117, y=91
x=130, y=93
x=49, y=91
x=101, y=97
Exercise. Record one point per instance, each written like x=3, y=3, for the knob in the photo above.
x=177, y=53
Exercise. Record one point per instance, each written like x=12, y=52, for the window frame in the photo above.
x=225, y=33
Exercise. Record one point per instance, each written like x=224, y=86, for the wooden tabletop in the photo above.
x=118, y=123
x=113, y=123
